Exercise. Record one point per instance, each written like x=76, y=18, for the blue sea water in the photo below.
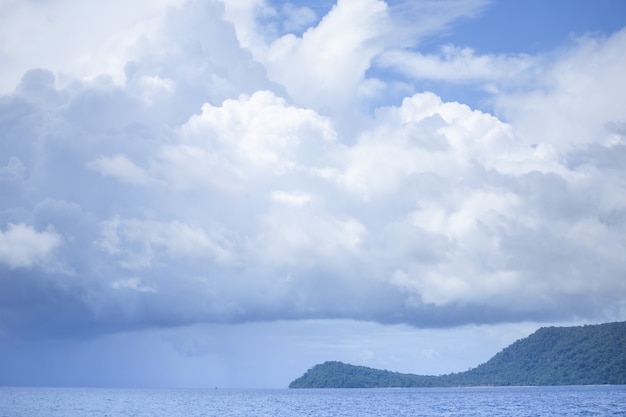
x=492, y=401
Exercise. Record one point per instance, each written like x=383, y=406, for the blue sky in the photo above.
x=225, y=193
x=534, y=26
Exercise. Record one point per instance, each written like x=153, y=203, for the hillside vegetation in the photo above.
x=583, y=355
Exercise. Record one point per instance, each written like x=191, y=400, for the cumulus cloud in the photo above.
x=214, y=185
x=21, y=246
x=334, y=55
x=295, y=198
x=350, y=34
x=580, y=82
x=74, y=37
x=262, y=129
x=120, y=167
x=157, y=239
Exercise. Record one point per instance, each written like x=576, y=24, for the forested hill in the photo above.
x=585, y=355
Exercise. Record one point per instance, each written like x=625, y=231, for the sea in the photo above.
x=483, y=401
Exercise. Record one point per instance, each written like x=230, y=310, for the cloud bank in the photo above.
x=234, y=173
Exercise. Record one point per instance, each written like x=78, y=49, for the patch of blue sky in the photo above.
x=506, y=28
x=473, y=94
x=296, y=16
x=531, y=26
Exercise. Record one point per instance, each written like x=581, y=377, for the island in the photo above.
x=579, y=355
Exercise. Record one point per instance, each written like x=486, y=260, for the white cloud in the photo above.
x=84, y=39
x=244, y=140
x=122, y=168
x=146, y=243
x=241, y=199
x=461, y=218
x=426, y=135
x=261, y=130
x=21, y=246
x=244, y=15
x=576, y=96
x=456, y=64
x=226, y=146
x=303, y=240
x=154, y=87
x=334, y=56
x=133, y=284
x=296, y=198
x=350, y=37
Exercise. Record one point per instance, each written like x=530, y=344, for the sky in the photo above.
x=223, y=193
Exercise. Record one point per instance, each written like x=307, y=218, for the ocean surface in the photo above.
x=509, y=401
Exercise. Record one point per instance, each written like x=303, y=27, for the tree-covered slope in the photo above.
x=582, y=355
x=341, y=375
x=559, y=356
